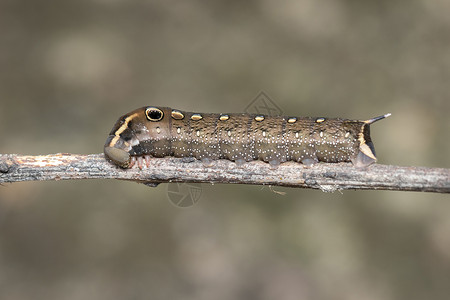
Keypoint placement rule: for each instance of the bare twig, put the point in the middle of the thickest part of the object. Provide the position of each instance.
(326, 177)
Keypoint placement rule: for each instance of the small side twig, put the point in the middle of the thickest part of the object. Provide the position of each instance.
(323, 176)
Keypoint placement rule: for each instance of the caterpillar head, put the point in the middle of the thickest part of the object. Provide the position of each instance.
(142, 131)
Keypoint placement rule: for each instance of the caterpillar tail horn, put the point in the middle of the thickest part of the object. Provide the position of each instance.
(366, 154)
(373, 120)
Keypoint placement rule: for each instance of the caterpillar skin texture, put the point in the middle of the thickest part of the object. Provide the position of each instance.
(161, 131)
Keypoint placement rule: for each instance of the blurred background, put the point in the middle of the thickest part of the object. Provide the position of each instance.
(70, 68)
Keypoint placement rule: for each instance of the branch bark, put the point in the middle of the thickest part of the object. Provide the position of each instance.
(323, 176)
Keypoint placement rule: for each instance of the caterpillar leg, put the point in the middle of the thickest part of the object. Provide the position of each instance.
(132, 162)
(240, 162)
(362, 160)
(140, 162)
(207, 162)
(366, 156)
(308, 161)
(147, 159)
(274, 163)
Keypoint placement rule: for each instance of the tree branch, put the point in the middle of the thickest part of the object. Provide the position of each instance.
(323, 176)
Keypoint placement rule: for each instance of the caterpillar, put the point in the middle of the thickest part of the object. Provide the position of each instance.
(161, 131)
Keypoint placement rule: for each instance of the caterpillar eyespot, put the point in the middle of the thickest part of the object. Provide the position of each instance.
(147, 132)
(154, 114)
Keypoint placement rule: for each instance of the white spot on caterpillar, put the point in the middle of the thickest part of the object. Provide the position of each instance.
(347, 134)
(264, 134)
(320, 120)
(321, 134)
(178, 130)
(198, 132)
(296, 134)
(229, 133)
(158, 130)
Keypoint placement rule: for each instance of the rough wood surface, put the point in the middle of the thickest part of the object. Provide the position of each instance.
(326, 177)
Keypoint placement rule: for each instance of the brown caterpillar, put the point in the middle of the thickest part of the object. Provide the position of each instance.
(161, 131)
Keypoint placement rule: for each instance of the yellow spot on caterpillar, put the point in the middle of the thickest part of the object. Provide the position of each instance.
(196, 117)
(177, 115)
(320, 120)
(224, 117)
(158, 130)
(259, 118)
(292, 120)
(347, 134)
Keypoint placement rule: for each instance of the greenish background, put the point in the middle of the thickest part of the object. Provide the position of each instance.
(69, 69)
